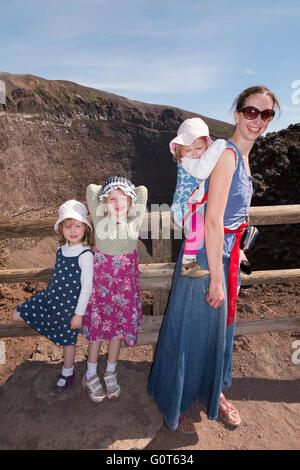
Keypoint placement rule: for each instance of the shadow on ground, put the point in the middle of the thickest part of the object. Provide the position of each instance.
(32, 419)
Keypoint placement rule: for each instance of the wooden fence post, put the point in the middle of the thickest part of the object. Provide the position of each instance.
(162, 253)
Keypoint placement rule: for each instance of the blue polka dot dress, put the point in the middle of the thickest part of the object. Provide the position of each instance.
(50, 311)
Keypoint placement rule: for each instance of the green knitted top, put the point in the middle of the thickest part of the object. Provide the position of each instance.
(111, 237)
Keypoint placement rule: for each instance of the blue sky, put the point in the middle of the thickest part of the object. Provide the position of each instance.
(193, 54)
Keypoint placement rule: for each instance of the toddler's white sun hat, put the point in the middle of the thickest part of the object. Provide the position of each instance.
(189, 130)
(72, 210)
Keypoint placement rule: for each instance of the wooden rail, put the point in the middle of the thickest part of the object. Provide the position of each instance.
(154, 276)
(264, 215)
(157, 276)
(151, 326)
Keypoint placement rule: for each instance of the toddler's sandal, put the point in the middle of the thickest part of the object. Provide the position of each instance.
(193, 269)
(188, 268)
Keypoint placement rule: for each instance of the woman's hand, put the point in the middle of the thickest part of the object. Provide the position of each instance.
(215, 296)
(76, 322)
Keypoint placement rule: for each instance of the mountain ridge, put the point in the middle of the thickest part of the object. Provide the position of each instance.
(69, 98)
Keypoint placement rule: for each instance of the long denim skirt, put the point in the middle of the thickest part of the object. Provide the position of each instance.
(193, 360)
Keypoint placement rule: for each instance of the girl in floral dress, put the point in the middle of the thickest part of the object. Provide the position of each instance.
(114, 311)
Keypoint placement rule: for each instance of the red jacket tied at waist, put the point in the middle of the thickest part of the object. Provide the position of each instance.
(233, 272)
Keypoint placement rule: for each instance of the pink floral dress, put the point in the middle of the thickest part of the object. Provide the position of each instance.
(115, 307)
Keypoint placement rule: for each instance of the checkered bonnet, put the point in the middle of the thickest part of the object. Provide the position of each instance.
(118, 182)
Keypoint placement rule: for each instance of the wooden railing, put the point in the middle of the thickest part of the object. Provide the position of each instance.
(157, 276)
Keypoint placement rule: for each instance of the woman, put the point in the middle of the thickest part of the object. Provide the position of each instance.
(193, 360)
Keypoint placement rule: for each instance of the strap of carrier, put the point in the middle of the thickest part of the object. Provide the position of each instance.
(194, 208)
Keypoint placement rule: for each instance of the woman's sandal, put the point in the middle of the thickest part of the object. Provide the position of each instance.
(228, 413)
(185, 424)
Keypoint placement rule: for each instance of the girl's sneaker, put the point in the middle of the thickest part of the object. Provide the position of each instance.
(94, 388)
(113, 389)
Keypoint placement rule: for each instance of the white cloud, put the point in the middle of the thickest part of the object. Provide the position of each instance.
(159, 78)
(291, 109)
(249, 72)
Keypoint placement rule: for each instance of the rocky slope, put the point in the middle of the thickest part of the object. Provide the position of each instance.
(275, 168)
(56, 137)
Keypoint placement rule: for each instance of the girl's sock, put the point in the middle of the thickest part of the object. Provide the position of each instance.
(111, 367)
(66, 373)
(91, 369)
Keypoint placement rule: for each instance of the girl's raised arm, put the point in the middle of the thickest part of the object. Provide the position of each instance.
(137, 213)
(92, 192)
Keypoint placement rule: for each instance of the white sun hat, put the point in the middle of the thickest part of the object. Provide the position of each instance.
(189, 131)
(72, 210)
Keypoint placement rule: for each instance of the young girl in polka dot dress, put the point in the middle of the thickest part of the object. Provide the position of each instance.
(57, 311)
(114, 312)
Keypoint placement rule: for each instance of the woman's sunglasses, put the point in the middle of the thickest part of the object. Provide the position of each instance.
(250, 112)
